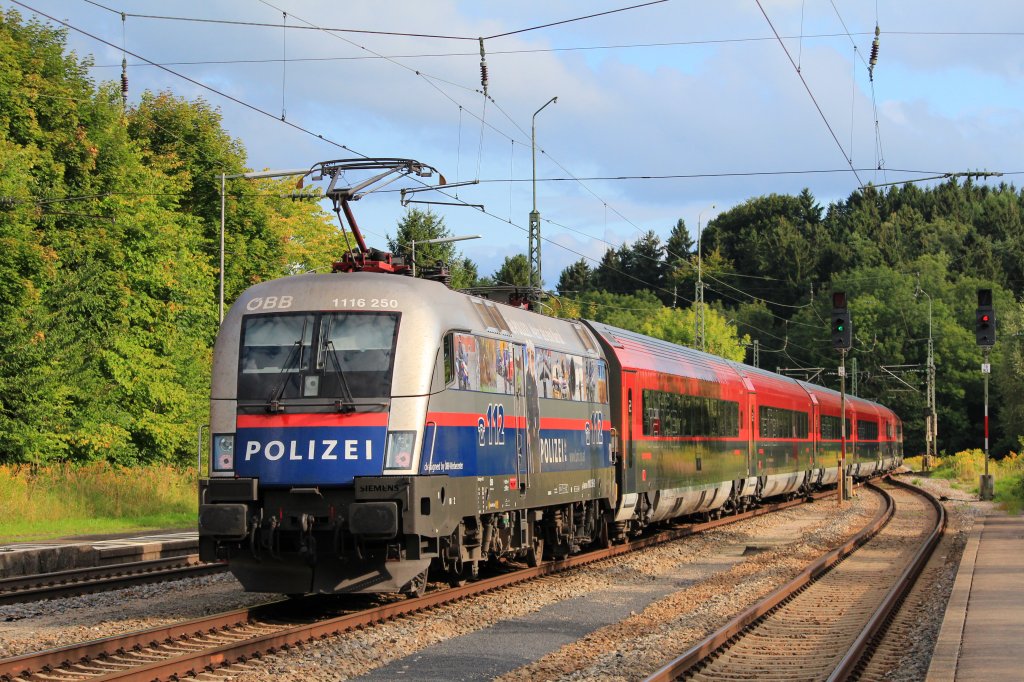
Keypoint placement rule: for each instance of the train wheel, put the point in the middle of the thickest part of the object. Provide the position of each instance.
(469, 572)
(603, 540)
(417, 586)
(535, 555)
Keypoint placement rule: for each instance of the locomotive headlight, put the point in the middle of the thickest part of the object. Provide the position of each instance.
(223, 451)
(398, 452)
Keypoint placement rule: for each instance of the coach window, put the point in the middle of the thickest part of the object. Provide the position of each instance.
(777, 422)
(867, 430)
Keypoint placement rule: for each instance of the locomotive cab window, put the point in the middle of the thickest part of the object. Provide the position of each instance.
(332, 356)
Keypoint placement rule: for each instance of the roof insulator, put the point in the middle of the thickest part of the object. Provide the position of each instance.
(874, 55)
(483, 67)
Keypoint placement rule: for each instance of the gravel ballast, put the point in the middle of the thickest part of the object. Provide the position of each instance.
(620, 619)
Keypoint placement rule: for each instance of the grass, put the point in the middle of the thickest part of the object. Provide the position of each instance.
(61, 500)
(964, 470)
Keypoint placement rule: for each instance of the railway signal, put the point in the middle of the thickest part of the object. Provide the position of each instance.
(985, 335)
(842, 326)
(985, 319)
(842, 340)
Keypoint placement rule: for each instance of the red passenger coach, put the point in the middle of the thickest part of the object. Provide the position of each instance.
(683, 418)
(702, 434)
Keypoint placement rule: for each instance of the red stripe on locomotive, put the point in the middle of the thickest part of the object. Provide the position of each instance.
(257, 421)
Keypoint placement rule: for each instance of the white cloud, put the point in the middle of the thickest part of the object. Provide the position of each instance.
(945, 103)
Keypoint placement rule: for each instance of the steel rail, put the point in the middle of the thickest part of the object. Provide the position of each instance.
(102, 578)
(851, 660)
(51, 659)
(193, 663)
(863, 646)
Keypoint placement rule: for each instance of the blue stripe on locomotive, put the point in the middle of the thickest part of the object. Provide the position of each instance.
(310, 455)
(457, 452)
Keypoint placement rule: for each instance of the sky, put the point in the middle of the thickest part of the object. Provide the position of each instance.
(666, 110)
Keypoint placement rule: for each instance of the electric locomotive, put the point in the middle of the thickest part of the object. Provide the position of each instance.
(366, 426)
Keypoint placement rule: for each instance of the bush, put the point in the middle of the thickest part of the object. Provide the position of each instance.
(968, 466)
(98, 497)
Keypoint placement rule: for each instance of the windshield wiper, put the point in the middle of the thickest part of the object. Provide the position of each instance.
(273, 403)
(347, 403)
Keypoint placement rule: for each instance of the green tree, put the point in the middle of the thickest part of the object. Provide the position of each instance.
(644, 313)
(186, 140)
(514, 271)
(30, 387)
(309, 237)
(1008, 377)
(576, 278)
(609, 274)
(418, 226)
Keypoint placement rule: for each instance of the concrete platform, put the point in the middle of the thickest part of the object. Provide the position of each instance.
(983, 629)
(32, 558)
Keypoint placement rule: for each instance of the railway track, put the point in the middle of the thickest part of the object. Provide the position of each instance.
(213, 642)
(102, 578)
(825, 623)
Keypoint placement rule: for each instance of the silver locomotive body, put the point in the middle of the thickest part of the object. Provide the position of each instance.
(368, 427)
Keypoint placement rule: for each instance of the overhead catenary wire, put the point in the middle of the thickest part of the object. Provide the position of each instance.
(467, 38)
(870, 66)
(198, 83)
(482, 118)
(400, 34)
(572, 178)
(248, 105)
(537, 50)
(807, 87)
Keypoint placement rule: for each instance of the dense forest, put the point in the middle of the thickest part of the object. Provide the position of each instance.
(910, 261)
(110, 223)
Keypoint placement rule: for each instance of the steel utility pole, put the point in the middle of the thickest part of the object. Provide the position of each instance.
(534, 247)
(699, 294)
(841, 490)
(853, 376)
(931, 426)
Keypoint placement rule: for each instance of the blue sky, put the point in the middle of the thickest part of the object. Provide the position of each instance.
(674, 88)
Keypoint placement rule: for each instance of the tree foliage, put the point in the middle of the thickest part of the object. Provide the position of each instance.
(769, 264)
(417, 226)
(109, 223)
